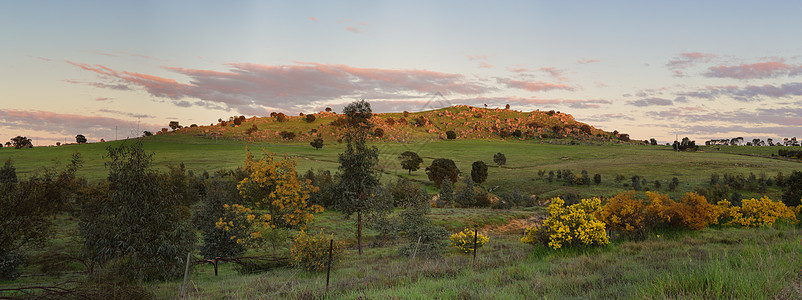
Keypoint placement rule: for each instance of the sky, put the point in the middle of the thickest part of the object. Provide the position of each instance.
(112, 69)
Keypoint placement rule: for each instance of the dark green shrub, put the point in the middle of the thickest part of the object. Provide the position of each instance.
(500, 159)
(466, 197)
(478, 172)
(410, 161)
(597, 179)
(287, 135)
(793, 191)
(451, 135)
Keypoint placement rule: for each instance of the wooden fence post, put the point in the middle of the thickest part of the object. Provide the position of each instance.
(186, 272)
(328, 268)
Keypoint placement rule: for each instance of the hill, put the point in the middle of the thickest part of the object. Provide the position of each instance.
(467, 123)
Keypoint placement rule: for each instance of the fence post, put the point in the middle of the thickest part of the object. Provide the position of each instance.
(328, 268)
(186, 272)
(475, 234)
(416, 248)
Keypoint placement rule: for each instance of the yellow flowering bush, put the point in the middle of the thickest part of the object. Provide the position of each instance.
(311, 251)
(273, 187)
(574, 225)
(758, 213)
(464, 240)
(623, 213)
(239, 222)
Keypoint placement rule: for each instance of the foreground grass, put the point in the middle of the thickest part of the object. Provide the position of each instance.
(713, 263)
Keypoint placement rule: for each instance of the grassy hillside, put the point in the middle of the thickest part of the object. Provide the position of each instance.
(524, 160)
(466, 121)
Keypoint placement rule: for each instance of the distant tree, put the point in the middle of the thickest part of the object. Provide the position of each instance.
(251, 130)
(378, 132)
(310, 118)
(193, 126)
(674, 184)
(174, 125)
(653, 142)
(57, 144)
(147, 133)
(507, 107)
(479, 172)
(317, 143)
(442, 168)
(686, 145)
(287, 135)
(80, 139)
(500, 159)
(20, 142)
(636, 183)
(597, 179)
(466, 197)
(410, 161)
(406, 114)
(793, 189)
(446, 198)
(8, 144)
(328, 109)
(451, 135)
(389, 121)
(281, 117)
(237, 121)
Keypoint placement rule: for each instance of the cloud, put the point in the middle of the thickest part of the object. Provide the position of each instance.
(585, 61)
(485, 65)
(748, 93)
(651, 102)
(103, 99)
(554, 72)
(126, 114)
(518, 69)
(352, 29)
(40, 58)
(609, 117)
(477, 57)
(590, 103)
(771, 69)
(295, 86)
(685, 60)
(60, 125)
(538, 86)
(313, 19)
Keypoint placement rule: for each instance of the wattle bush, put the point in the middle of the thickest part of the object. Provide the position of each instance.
(464, 240)
(623, 213)
(573, 225)
(311, 251)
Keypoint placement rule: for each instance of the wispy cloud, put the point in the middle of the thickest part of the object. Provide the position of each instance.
(485, 65)
(770, 69)
(94, 127)
(477, 57)
(585, 61)
(313, 19)
(689, 59)
(747, 93)
(651, 102)
(537, 86)
(125, 114)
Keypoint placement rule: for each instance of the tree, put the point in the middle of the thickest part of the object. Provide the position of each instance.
(217, 241)
(80, 139)
(358, 179)
(500, 159)
(378, 132)
(793, 191)
(310, 118)
(410, 161)
(20, 142)
(479, 172)
(466, 197)
(27, 210)
(147, 133)
(174, 125)
(317, 143)
(446, 198)
(136, 226)
(442, 168)
(653, 142)
(273, 189)
(281, 117)
(451, 135)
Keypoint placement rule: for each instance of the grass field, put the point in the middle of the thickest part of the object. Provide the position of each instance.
(713, 263)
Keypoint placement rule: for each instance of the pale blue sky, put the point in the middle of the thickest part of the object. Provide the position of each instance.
(703, 69)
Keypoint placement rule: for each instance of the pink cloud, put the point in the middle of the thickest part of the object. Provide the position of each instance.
(103, 99)
(538, 86)
(59, 124)
(485, 65)
(518, 69)
(689, 59)
(313, 19)
(748, 93)
(352, 29)
(771, 69)
(477, 57)
(585, 61)
(248, 86)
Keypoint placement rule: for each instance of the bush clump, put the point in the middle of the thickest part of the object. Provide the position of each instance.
(623, 213)
(463, 240)
(311, 251)
(758, 213)
(573, 225)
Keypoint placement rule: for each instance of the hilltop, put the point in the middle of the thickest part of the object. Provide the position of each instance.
(467, 122)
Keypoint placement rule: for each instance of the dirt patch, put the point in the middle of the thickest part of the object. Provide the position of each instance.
(515, 225)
